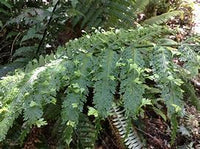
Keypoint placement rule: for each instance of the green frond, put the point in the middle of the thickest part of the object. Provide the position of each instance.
(25, 51)
(105, 85)
(16, 103)
(167, 80)
(191, 60)
(9, 68)
(140, 5)
(191, 94)
(27, 16)
(108, 13)
(95, 19)
(32, 33)
(83, 11)
(131, 86)
(117, 61)
(78, 88)
(169, 83)
(160, 19)
(88, 17)
(6, 3)
(85, 133)
(44, 92)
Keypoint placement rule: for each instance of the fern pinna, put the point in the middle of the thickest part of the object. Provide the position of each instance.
(104, 63)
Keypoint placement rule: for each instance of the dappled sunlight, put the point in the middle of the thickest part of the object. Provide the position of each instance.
(196, 12)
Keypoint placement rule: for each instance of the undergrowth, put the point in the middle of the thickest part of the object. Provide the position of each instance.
(102, 68)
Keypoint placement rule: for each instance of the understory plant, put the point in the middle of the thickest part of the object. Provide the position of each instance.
(135, 67)
(38, 27)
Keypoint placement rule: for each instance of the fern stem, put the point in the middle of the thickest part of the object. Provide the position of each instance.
(153, 138)
(12, 46)
(149, 135)
(45, 31)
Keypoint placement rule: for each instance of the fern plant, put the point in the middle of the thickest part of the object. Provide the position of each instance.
(66, 20)
(86, 133)
(26, 32)
(109, 63)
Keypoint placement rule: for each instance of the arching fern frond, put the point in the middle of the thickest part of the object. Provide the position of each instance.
(104, 13)
(17, 102)
(160, 19)
(77, 90)
(167, 80)
(191, 60)
(104, 62)
(140, 5)
(85, 133)
(169, 83)
(105, 86)
(131, 84)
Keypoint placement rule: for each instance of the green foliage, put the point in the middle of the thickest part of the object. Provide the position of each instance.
(111, 13)
(105, 85)
(160, 19)
(25, 33)
(166, 79)
(132, 88)
(38, 28)
(85, 133)
(190, 94)
(4, 9)
(100, 65)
